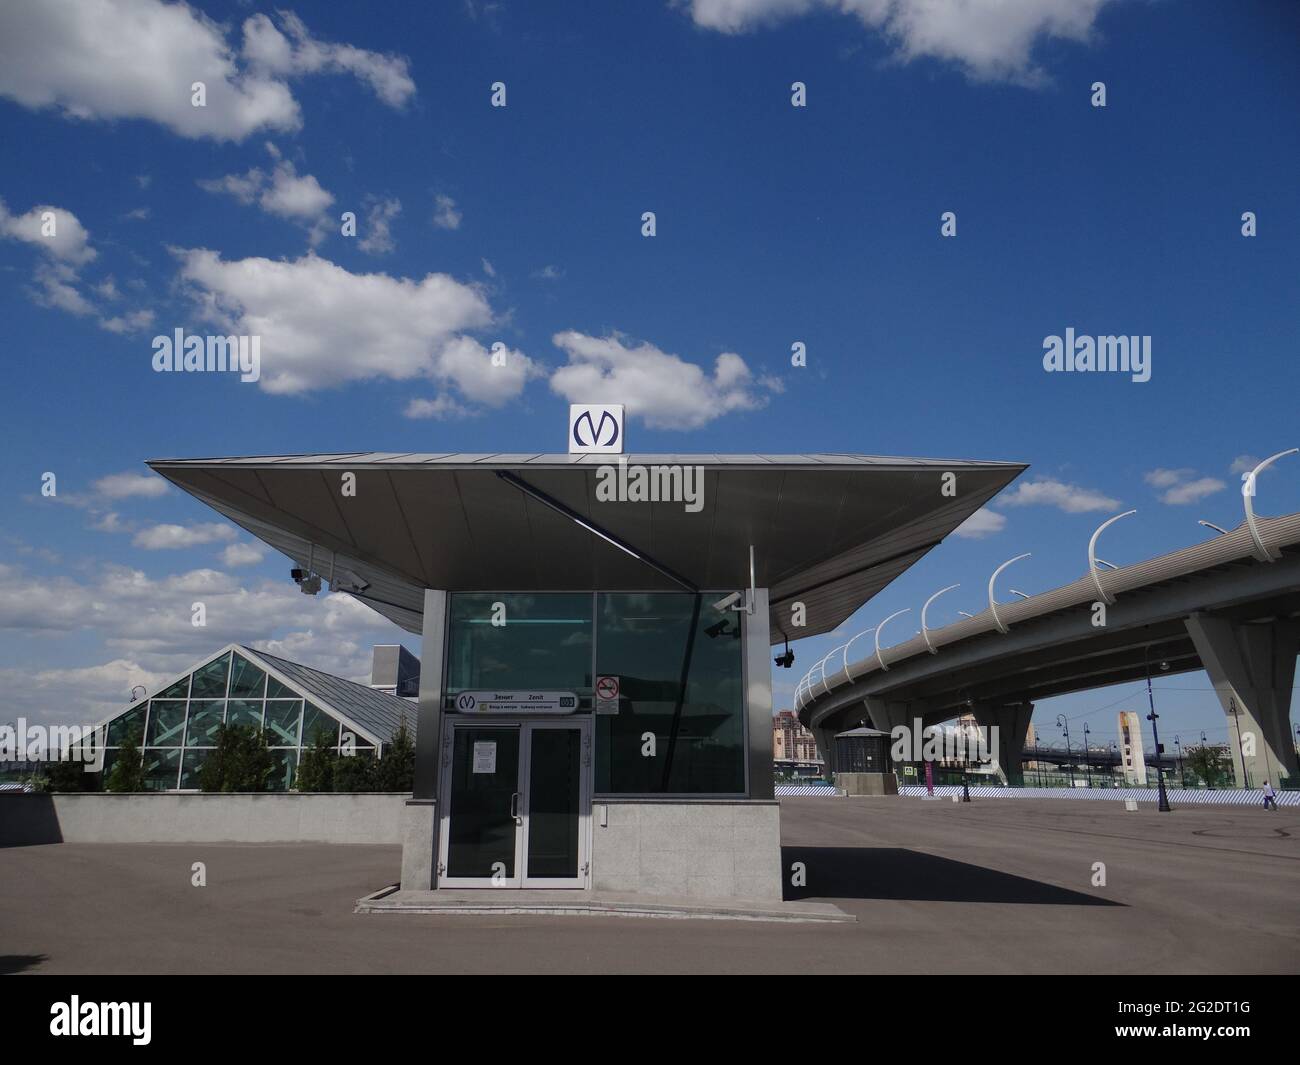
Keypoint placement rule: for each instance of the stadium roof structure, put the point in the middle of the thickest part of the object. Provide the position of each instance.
(829, 531)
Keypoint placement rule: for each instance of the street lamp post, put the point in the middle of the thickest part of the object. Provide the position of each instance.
(1087, 762)
(1182, 777)
(1209, 775)
(1064, 725)
(1163, 804)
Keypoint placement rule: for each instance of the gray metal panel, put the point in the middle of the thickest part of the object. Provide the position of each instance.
(833, 529)
(376, 711)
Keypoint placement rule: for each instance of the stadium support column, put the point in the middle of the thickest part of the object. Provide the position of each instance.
(420, 818)
(1252, 668)
(757, 644)
(1012, 722)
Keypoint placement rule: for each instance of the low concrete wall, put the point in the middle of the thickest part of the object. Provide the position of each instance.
(707, 848)
(867, 783)
(276, 817)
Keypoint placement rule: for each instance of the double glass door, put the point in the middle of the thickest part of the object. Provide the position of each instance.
(516, 800)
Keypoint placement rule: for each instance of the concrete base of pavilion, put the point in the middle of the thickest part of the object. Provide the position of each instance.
(578, 903)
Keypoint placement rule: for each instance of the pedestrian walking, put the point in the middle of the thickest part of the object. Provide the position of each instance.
(1270, 799)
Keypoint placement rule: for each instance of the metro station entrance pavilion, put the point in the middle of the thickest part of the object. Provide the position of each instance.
(596, 675)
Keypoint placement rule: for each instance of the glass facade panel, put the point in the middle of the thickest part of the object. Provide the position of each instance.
(315, 720)
(210, 681)
(484, 779)
(282, 719)
(179, 690)
(166, 722)
(352, 740)
(244, 712)
(544, 643)
(246, 680)
(205, 716)
(276, 690)
(652, 641)
(129, 724)
(161, 769)
(286, 764)
(191, 765)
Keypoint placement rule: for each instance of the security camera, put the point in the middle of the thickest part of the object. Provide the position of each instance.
(309, 585)
(786, 660)
(297, 575)
(727, 602)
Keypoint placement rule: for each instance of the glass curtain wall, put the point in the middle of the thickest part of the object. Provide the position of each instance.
(680, 725)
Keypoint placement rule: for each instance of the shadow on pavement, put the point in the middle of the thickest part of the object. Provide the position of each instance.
(904, 875)
(16, 963)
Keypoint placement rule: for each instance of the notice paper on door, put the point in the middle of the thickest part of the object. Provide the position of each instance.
(485, 756)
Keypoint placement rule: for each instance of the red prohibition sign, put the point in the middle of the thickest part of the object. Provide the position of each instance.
(606, 687)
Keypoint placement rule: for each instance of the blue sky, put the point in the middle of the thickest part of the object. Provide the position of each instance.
(775, 224)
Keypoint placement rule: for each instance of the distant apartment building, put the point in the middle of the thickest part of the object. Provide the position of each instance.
(790, 740)
(1130, 746)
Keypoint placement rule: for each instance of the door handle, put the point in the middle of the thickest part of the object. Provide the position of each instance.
(514, 808)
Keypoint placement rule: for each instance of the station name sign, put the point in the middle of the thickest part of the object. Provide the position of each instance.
(516, 702)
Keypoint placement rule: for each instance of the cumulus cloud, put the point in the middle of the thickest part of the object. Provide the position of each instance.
(53, 229)
(242, 555)
(131, 322)
(663, 389)
(991, 40)
(171, 537)
(1179, 487)
(376, 234)
(1067, 497)
(445, 214)
(441, 408)
(283, 192)
(982, 523)
(137, 59)
(147, 636)
(296, 52)
(322, 326)
(129, 485)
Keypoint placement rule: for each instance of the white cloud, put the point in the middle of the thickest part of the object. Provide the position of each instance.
(322, 326)
(982, 523)
(1182, 486)
(1067, 497)
(442, 408)
(267, 49)
(145, 625)
(1244, 464)
(991, 40)
(131, 322)
(489, 269)
(549, 273)
(58, 289)
(661, 388)
(137, 59)
(283, 192)
(445, 215)
(61, 235)
(170, 537)
(242, 555)
(127, 485)
(376, 234)
(82, 695)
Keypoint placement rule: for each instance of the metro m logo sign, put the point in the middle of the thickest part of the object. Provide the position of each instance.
(595, 429)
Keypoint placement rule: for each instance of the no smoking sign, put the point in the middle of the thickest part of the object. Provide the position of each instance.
(607, 695)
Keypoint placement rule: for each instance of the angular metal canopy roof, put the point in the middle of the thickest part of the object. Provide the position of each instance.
(829, 531)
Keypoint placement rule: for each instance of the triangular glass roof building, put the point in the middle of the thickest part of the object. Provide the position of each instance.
(176, 725)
